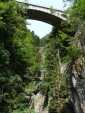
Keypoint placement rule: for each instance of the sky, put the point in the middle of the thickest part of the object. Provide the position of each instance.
(40, 28)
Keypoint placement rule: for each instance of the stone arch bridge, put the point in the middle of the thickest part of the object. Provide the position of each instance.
(44, 14)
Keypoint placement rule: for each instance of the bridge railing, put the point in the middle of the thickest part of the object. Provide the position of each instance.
(52, 11)
(49, 8)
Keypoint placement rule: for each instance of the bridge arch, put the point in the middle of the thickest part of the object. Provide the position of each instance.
(44, 14)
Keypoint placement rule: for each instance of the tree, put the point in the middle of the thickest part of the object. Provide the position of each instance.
(17, 56)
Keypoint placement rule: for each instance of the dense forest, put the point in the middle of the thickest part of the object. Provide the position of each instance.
(42, 75)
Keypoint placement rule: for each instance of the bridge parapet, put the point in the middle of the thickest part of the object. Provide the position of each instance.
(58, 13)
(44, 14)
(54, 12)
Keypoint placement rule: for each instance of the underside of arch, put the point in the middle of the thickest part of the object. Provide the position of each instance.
(44, 17)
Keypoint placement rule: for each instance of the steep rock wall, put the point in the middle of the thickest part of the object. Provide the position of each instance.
(77, 73)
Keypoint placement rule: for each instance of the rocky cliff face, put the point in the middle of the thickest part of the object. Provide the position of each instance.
(39, 100)
(77, 73)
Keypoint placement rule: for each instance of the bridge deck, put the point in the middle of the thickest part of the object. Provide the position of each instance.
(45, 14)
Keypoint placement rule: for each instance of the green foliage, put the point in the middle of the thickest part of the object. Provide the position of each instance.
(55, 83)
(17, 56)
(20, 59)
(60, 49)
(52, 10)
(74, 52)
(24, 110)
(76, 13)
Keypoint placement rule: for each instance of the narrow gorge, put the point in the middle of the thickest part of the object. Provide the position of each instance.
(44, 75)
